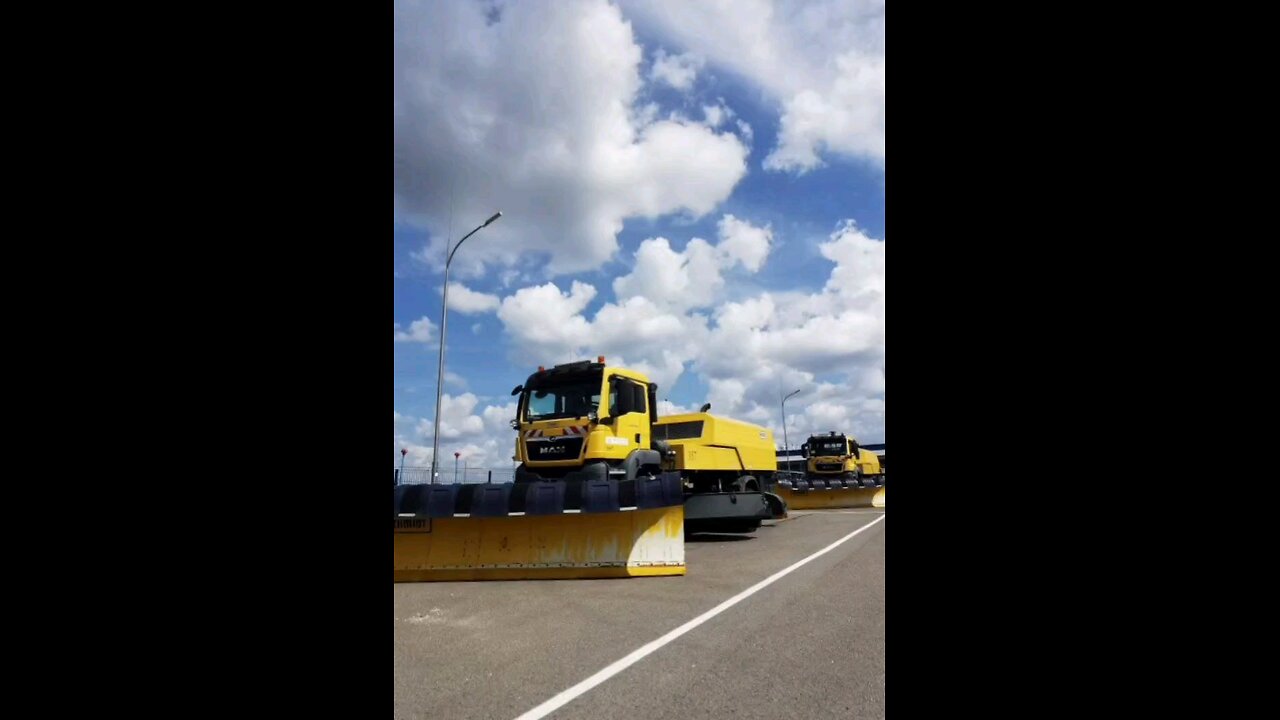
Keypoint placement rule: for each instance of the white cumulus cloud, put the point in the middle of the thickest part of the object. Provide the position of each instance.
(468, 301)
(744, 242)
(823, 62)
(533, 110)
(670, 316)
(482, 436)
(421, 330)
(693, 277)
(828, 344)
(678, 71)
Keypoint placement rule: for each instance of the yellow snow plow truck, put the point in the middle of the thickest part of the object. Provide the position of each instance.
(586, 423)
(838, 474)
(604, 488)
(839, 457)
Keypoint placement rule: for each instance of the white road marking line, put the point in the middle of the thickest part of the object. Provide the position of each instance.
(567, 696)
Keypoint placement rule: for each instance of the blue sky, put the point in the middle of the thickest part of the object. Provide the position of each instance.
(599, 128)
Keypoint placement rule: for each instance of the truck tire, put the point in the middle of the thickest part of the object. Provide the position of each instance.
(523, 475)
(641, 462)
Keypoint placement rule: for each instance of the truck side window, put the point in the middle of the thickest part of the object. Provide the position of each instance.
(627, 397)
(619, 398)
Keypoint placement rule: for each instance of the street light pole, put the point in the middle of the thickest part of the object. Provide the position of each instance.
(444, 318)
(786, 446)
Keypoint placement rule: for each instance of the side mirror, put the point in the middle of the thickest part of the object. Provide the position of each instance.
(515, 424)
(804, 450)
(517, 390)
(593, 417)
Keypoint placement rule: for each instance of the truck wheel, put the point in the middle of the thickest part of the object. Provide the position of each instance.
(747, 483)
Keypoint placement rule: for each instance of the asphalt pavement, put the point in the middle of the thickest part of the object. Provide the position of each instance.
(811, 644)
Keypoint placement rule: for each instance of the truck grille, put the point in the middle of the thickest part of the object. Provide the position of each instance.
(548, 449)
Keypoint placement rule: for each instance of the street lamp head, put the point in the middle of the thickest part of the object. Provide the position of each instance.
(495, 217)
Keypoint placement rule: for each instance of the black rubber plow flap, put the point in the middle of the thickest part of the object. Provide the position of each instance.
(811, 494)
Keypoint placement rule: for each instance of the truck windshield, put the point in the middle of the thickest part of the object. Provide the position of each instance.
(829, 446)
(568, 397)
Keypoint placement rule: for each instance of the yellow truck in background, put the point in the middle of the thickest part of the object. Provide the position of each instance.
(586, 422)
(836, 456)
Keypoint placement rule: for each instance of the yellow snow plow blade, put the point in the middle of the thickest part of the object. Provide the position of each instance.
(541, 540)
(831, 497)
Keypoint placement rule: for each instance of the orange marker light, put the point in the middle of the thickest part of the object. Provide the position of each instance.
(600, 359)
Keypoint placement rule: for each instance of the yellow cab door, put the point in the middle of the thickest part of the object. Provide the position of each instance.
(629, 410)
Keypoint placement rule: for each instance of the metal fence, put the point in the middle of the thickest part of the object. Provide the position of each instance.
(422, 475)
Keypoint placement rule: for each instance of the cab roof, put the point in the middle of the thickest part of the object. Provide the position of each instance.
(581, 367)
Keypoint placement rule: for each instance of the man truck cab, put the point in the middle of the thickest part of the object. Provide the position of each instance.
(836, 456)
